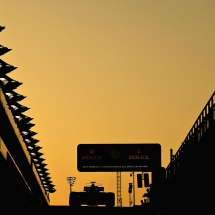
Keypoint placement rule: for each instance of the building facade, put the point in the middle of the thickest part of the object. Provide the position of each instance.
(24, 178)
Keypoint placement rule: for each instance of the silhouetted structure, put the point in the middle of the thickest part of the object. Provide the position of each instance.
(187, 180)
(118, 189)
(24, 179)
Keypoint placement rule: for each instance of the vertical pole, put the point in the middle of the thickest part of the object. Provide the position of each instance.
(71, 181)
(119, 195)
(171, 154)
(171, 162)
(133, 190)
(129, 193)
(130, 201)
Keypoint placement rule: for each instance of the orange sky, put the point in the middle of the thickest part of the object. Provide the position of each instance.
(116, 71)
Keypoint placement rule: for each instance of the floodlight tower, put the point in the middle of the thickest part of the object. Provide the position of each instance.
(71, 181)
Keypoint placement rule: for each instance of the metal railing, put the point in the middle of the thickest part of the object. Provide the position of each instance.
(195, 135)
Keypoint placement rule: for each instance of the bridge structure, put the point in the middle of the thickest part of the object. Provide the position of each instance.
(188, 179)
(24, 178)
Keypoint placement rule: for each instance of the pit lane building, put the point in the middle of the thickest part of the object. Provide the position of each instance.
(24, 178)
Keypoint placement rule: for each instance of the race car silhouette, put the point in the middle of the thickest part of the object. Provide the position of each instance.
(93, 195)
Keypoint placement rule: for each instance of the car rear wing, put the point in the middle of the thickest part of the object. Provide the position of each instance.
(100, 189)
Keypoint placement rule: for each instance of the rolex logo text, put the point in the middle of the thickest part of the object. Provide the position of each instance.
(91, 157)
(138, 157)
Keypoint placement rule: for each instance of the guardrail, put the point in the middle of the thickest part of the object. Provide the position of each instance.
(196, 133)
(188, 163)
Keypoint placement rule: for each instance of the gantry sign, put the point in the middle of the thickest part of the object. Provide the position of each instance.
(118, 157)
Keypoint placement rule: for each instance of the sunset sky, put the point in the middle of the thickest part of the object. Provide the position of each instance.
(109, 71)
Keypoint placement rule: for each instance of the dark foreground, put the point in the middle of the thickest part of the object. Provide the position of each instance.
(146, 209)
(61, 210)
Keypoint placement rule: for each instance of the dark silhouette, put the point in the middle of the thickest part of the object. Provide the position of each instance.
(24, 180)
(93, 195)
(181, 186)
(184, 187)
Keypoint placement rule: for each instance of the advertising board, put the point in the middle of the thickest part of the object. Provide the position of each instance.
(118, 157)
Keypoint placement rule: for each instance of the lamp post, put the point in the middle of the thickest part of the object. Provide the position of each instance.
(71, 181)
(129, 193)
(132, 174)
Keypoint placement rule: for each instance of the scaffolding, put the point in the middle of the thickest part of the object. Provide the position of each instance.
(118, 188)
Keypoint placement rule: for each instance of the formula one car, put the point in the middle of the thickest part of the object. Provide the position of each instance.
(93, 195)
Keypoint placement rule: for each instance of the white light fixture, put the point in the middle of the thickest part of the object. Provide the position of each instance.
(27, 140)
(14, 107)
(18, 117)
(10, 95)
(25, 132)
(4, 80)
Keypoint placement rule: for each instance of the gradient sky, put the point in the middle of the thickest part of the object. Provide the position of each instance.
(109, 71)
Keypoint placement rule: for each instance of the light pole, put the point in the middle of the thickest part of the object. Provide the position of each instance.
(71, 181)
(132, 174)
(129, 193)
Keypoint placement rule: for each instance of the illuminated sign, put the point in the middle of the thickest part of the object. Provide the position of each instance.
(118, 157)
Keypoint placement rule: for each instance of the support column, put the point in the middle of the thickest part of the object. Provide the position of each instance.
(119, 195)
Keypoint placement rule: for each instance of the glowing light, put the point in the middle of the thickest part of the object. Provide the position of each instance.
(4, 81)
(10, 95)
(14, 107)
(18, 117)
